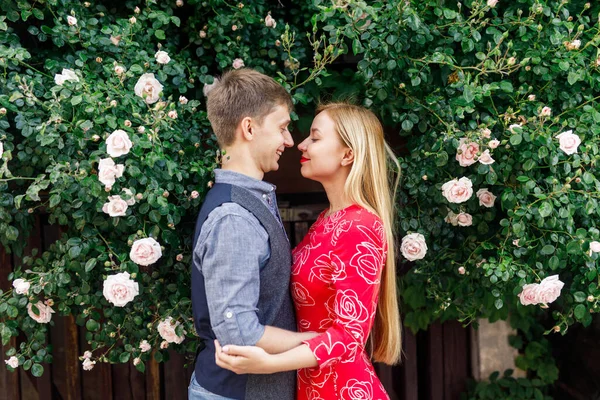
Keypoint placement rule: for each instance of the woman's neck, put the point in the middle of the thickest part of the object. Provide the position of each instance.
(337, 197)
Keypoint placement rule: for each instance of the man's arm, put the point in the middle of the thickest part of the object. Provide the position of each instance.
(276, 340)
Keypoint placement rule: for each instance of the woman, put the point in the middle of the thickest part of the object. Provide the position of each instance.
(343, 275)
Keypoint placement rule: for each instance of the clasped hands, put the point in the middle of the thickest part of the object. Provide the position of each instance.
(244, 359)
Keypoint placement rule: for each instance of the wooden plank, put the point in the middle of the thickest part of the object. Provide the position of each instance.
(66, 364)
(121, 384)
(386, 376)
(434, 359)
(152, 380)
(456, 359)
(97, 383)
(408, 372)
(175, 377)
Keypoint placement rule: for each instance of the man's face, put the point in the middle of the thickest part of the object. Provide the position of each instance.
(271, 138)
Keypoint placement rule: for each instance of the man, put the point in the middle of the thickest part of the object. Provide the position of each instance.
(241, 261)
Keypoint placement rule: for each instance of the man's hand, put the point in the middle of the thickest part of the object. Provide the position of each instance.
(244, 359)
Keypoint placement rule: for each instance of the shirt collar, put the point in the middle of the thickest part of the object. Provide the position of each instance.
(255, 186)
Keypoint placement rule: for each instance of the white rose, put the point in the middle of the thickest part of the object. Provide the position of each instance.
(108, 171)
(209, 87)
(132, 20)
(162, 57)
(569, 142)
(119, 70)
(183, 100)
(237, 63)
(485, 158)
(594, 247)
(486, 198)
(528, 294)
(145, 346)
(119, 289)
(464, 219)
(462, 270)
(494, 143)
(270, 22)
(145, 251)
(118, 143)
(21, 286)
(87, 354)
(549, 289)
(166, 330)
(71, 20)
(164, 344)
(413, 246)
(148, 88)
(136, 10)
(458, 190)
(531, 97)
(115, 39)
(486, 133)
(65, 75)
(492, 3)
(202, 34)
(116, 206)
(45, 314)
(88, 364)
(12, 362)
(172, 114)
(546, 112)
(575, 44)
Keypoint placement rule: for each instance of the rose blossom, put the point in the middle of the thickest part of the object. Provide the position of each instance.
(486, 133)
(179, 3)
(486, 198)
(88, 364)
(528, 294)
(45, 314)
(108, 171)
(2, 111)
(492, 3)
(141, 129)
(451, 218)
(119, 70)
(132, 20)
(136, 10)
(87, 354)
(183, 100)
(195, 194)
(458, 190)
(115, 39)
(172, 114)
(164, 344)
(162, 57)
(208, 87)
(594, 247)
(568, 142)
(546, 112)
(118, 143)
(464, 219)
(12, 362)
(494, 143)
(202, 34)
(21, 286)
(413, 246)
(145, 346)
(575, 44)
(462, 270)
(485, 158)
(116, 206)
(65, 75)
(270, 21)
(166, 330)
(549, 289)
(71, 20)
(237, 63)
(179, 257)
(531, 97)
(466, 154)
(136, 361)
(145, 251)
(148, 88)
(119, 289)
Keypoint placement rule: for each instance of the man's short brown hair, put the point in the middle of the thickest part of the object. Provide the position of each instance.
(239, 94)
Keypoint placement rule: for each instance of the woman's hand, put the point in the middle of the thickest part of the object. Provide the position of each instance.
(244, 359)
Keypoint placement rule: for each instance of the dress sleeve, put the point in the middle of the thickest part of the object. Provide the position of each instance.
(357, 261)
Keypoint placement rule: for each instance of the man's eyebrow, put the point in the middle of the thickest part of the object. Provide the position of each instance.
(286, 122)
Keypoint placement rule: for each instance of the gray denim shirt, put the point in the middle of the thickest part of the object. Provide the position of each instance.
(233, 247)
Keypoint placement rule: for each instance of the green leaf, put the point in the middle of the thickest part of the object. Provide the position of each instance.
(468, 94)
(92, 325)
(124, 357)
(37, 370)
(160, 34)
(580, 297)
(580, 311)
(76, 100)
(449, 14)
(547, 250)
(90, 264)
(546, 209)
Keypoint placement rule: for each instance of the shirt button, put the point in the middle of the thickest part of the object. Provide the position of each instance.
(229, 314)
(264, 196)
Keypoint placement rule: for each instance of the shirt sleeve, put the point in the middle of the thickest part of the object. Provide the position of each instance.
(361, 254)
(235, 247)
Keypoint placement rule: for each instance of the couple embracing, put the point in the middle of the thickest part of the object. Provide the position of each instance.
(302, 324)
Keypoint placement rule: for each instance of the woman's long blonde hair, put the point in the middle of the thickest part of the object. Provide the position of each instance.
(371, 184)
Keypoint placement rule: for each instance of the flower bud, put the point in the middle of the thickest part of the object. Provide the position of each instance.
(133, 275)
(107, 188)
(195, 194)
(196, 145)
(179, 257)
(130, 242)
(136, 10)
(424, 177)
(556, 328)
(210, 184)
(86, 4)
(278, 43)
(139, 232)
(141, 129)
(113, 103)
(139, 196)
(107, 263)
(112, 334)
(132, 20)
(234, 28)
(179, 3)
(127, 123)
(402, 86)
(2, 111)
(528, 68)
(590, 298)
(202, 34)
(165, 194)
(95, 138)
(98, 59)
(181, 152)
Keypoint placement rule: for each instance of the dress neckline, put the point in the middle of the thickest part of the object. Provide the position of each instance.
(324, 217)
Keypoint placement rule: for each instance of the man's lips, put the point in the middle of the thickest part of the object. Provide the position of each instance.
(304, 159)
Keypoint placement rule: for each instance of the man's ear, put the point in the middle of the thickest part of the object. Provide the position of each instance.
(348, 158)
(246, 127)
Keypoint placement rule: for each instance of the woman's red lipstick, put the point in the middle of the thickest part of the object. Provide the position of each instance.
(304, 159)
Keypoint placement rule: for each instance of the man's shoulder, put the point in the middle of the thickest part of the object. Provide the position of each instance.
(232, 214)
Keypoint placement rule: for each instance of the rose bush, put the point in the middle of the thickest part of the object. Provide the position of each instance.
(496, 101)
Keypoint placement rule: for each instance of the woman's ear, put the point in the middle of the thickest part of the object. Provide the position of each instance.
(348, 157)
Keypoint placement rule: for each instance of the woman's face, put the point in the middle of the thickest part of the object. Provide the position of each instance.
(323, 152)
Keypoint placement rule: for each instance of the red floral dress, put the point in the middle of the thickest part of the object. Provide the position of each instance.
(335, 285)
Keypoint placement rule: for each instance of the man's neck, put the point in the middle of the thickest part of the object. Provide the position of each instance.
(237, 161)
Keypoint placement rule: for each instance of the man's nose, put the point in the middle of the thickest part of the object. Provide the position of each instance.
(287, 139)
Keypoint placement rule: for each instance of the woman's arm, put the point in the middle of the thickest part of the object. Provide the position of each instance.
(254, 360)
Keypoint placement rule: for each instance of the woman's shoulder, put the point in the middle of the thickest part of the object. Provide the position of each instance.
(362, 215)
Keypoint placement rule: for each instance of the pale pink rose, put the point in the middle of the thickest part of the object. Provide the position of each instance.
(45, 314)
(528, 294)
(71, 20)
(87, 354)
(145, 251)
(569, 142)
(575, 44)
(119, 70)
(458, 190)
(131, 199)
(141, 129)
(166, 330)
(145, 346)
(466, 154)
(549, 289)
(172, 114)
(164, 344)
(119, 289)
(113, 103)
(234, 28)
(65, 75)
(115, 39)
(486, 133)
(136, 10)
(202, 34)
(2, 111)
(492, 3)
(451, 218)
(179, 257)
(148, 88)
(237, 63)
(594, 247)
(413, 246)
(209, 87)
(12, 362)
(118, 143)
(512, 127)
(531, 97)
(485, 158)
(136, 361)
(546, 112)
(132, 20)
(116, 206)
(486, 198)
(270, 21)
(494, 143)
(108, 171)
(179, 3)
(21, 286)
(462, 270)
(162, 57)
(464, 219)
(88, 364)
(183, 100)
(195, 194)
